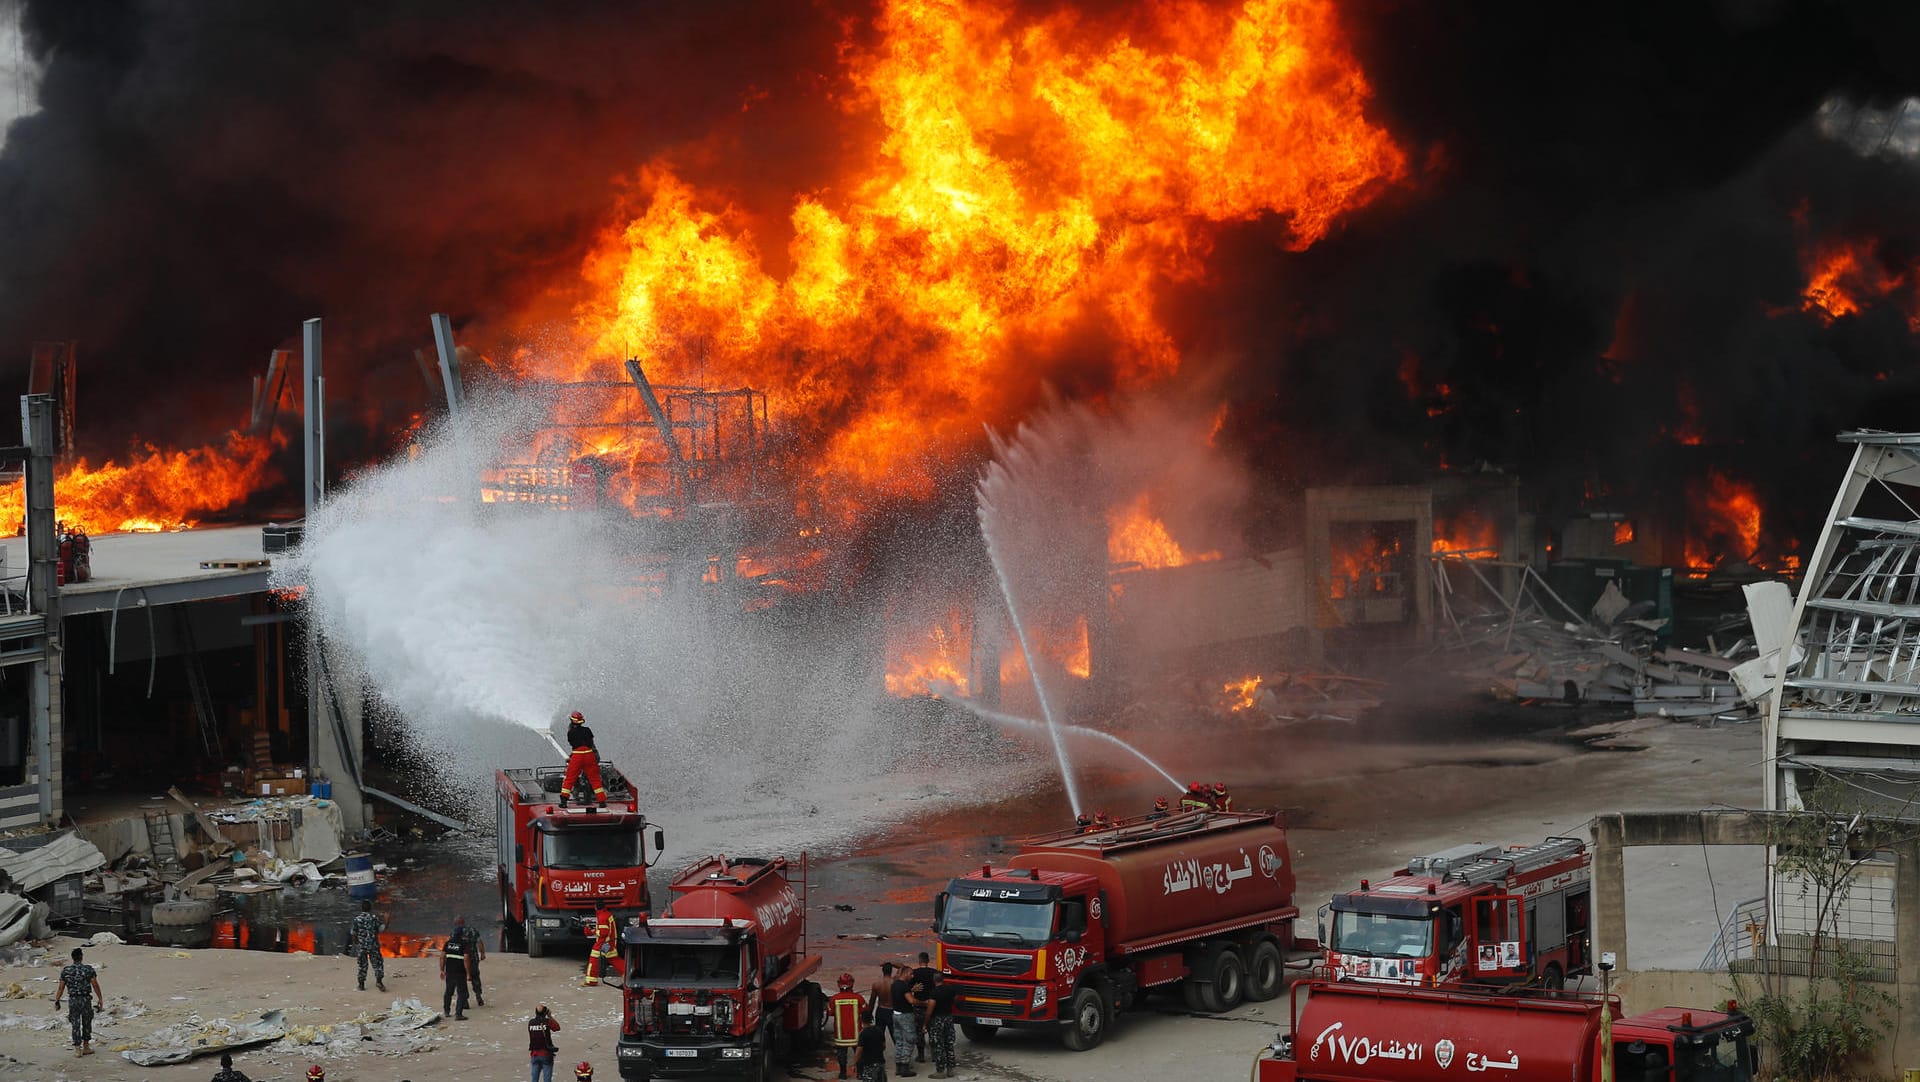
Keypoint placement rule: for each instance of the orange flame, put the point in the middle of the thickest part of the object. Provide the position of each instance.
(1136, 537)
(1623, 532)
(152, 489)
(1467, 534)
(1726, 525)
(918, 660)
(1033, 177)
(1363, 568)
(1241, 692)
(1847, 276)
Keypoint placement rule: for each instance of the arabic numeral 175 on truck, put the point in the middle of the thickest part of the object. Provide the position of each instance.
(1078, 927)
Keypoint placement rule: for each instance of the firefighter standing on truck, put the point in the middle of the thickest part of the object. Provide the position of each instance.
(1197, 798)
(845, 1007)
(605, 952)
(583, 758)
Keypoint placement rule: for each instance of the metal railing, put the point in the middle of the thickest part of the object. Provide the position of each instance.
(1741, 936)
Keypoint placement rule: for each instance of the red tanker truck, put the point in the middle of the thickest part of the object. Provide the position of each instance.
(1349, 1031)
(560, 861)
(1079, 926)
(718, 984)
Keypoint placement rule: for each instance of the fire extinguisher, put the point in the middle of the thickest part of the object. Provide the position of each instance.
(82, 556)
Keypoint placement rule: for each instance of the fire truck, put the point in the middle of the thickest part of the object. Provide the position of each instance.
(559, 860)
(1079, 927)
(1473, 914)
(1351, 1032)
(718, 985)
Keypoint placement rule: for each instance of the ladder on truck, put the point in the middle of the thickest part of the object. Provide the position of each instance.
(1516, 862)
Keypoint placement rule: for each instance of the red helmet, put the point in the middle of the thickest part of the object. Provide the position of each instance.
(1197, 787)
(1159, 803)
(577, 718)
(1219, 788)
(846, 982)
(316, 1073)
(584, 1072)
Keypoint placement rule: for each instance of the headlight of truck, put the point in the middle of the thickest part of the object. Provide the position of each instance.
(1039, 996)
(549, 922)
(735, 1053)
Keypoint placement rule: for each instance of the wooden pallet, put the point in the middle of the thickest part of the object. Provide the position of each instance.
(233, 565)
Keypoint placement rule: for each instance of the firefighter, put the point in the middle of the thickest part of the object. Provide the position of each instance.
(1100, 821)
(1221, 801)
(845, 1007)
(453, 972)
(584, 758)
(1160, 809)
(583, 1072)
(476, 953)
(316, 1073)
(1196, 798)
(1082, 824)
(606, 946)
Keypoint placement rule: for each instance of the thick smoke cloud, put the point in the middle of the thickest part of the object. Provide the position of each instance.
(1603, 235)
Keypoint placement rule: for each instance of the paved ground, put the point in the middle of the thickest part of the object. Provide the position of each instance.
(1364, 808)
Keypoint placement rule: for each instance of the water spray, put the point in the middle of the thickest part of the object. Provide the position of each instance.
(1016, 721)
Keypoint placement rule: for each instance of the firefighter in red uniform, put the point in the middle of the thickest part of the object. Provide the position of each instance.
(584, 758)
(606, 945)
(1221, 801)
(583, 1072)
(846, 1007)
(1197, 798)
(1160, 809)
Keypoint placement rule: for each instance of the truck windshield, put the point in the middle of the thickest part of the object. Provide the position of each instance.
(1713, 1059)
(1381, 935)
(688, 965)
(590, 848)
(1026, 923)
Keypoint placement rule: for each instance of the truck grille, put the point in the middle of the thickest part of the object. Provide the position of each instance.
(980, 962)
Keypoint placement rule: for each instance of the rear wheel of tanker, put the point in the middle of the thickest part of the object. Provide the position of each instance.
(1266, 971)
(1229, 980)
(535, 948)
(183, 913)
(978, 1033)
(513, 936)
(1194, 993)
(1086, 1020)
(1552, 979)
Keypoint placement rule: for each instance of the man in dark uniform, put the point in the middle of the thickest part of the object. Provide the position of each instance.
(453, 971)
(81, 985)
(870, 1059)
(365, 931)
(582, 758)
(906, 1023)
(476, 952)
(227, 1072)
(924, 977)
(938, 1005)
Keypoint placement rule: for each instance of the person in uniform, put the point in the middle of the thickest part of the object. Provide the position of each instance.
(906, 1024)
(583, 1072)
(365, 931)
(1100, 821)
(870, 1058)
(1082, 823)
(226, 1073)
(937, 1003)
(846, 1007)
(924, 975)
(453, 972)
(1221, 801)
(540, 1030)
(1160, 809)
(1197, 798)
(316, 1073)
(80, 983)
(583, 758)
(605, 952)
(476, 953)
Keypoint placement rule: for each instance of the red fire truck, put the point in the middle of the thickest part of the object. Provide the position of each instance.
(561, 860)
(718, 985)
(1473, 914)
(1350, 1032)
(1080, 926)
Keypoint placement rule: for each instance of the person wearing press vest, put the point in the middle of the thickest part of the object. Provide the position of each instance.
(540, 1030)
(81, 985)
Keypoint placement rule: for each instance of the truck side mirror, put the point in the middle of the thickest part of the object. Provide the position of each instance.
(939, 910)
(659, 840)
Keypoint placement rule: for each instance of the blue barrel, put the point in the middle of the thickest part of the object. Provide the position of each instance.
(326, 790)
(360, 876)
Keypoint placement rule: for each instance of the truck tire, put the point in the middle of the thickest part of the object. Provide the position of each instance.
(1194, 993)
(1087, 1015)
(978, 1033)
(1266, 971)
(1228, 984)
(182, 914)
(1552, 979)
(513, 936)
(535, 948)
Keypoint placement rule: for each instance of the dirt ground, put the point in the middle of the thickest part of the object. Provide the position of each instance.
(1362, 809)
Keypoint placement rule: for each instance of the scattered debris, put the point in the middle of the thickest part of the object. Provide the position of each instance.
(183, 1041)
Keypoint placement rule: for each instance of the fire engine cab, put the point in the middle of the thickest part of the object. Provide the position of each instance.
(1473, 914)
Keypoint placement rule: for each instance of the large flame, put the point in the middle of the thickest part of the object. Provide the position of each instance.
(151, 489)
(1846, 276)
(1135, 537)
(1726, 523)
(1467, 533)
(1033, 179)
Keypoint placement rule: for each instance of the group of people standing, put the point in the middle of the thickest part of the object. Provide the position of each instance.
(914, 1005)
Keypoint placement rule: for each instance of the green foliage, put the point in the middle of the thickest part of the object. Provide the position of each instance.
(1819, 1034)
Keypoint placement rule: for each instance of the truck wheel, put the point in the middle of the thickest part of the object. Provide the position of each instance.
(1229, 980)
(184, 913)
(1266, 971)
(978, 1033)
(1087, 1020)
(535, 948)
(1552, 979)
(1194, 993)
(514, 936)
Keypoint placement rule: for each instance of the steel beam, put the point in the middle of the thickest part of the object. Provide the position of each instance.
(43, 592)
(449, 364)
